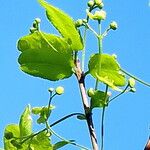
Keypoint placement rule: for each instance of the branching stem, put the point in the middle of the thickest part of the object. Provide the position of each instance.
(66, 117)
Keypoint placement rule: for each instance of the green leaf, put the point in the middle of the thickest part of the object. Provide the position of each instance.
(25, 124)
(106, 69)
(12, 129)
(61, 144)
(41, 142)
(49, 57)
(64, 24)
(99, 99)
(44, 114)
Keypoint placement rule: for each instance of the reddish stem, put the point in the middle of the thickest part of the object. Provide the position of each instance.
(81, 81)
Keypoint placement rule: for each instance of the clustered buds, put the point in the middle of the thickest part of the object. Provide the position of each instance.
(90, 3)
(98, 15)
(35, 26)
(59, 90)
(95, 3)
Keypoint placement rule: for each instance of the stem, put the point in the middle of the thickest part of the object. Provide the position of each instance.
(64, 118)
(90, 28)
(100, 48)
(83, 51)
(102, 121)
(119, 94)
(137, 79)
(32, 135)
(81, 81)
(69, 142)
(102, 128)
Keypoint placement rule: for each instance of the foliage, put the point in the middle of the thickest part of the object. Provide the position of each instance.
(55, 57)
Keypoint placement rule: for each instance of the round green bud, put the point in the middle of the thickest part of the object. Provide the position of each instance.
(131, 82)
(37, 20)
(97, 2)
(59, 90)
(90, 3)
(101, 5)
(35, 25)
(113, 25)
(90, 92)
(32, 30)
(79, 23)
(51, 90)
(99, 15)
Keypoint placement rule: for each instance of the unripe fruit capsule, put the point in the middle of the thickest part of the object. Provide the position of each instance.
(59, 90)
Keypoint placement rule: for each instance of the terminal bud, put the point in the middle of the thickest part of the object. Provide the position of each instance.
(90, 3)
(113, 25)
(59, 90)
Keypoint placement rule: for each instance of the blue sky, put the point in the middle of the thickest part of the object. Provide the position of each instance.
(127, 119)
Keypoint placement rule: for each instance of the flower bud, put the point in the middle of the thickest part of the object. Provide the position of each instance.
(98, 15)
(79, 23)
(51, 90)
(97, 2)
(90, 3)
(101, 5)
(32, 30)
(59, 90)
(35, 25)
(90, 92)
(131, 82)
(37, 20)
(113, 25)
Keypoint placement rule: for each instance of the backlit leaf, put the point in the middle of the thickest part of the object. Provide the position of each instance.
(106, 69)
(46, 56)
(41, 142)
(99, 99)
(25, 124)
(14, 130)
(64, 24)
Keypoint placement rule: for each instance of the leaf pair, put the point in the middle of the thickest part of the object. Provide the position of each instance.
(14, 135)
(49, 56)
